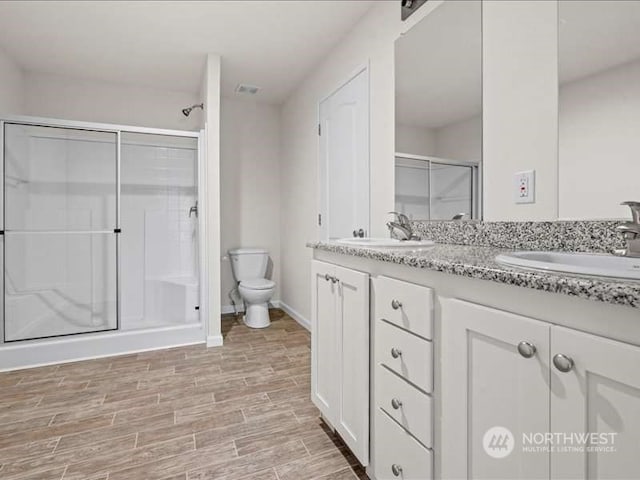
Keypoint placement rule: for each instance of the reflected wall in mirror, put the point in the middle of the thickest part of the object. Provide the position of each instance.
(438, 69)
(599, 108)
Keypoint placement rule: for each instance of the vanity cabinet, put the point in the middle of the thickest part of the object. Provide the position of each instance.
(504, 370)
(340, 352)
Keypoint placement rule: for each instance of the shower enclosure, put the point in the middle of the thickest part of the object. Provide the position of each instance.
(100, 236)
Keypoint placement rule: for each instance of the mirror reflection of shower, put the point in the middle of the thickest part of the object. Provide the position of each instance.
(187, 111)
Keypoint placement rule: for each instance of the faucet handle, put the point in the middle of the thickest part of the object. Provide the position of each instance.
(635, 210)
(629, 230)
(402, 218)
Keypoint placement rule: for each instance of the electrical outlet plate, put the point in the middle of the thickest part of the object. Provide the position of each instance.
(525, 186)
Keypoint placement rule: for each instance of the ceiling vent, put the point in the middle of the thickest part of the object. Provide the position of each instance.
(247, 89)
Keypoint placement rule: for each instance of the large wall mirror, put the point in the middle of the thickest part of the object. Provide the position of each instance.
(599, 107)
(438, 74)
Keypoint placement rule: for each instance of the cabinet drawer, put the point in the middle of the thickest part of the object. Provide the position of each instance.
(414, 305)
(413, 357)
(395, 447)
(406, 404)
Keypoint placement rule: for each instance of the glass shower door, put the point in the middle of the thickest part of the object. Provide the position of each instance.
(60, 224)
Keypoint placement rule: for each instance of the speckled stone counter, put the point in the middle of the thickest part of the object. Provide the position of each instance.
(479, 262)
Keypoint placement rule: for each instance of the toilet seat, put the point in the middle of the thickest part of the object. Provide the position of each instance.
(258, 284)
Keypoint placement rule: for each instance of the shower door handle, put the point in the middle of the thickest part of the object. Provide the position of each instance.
(194, 209)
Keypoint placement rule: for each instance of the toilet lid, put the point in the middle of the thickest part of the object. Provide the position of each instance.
(258, 284)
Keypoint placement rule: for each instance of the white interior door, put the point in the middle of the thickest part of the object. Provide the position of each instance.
(344, 159)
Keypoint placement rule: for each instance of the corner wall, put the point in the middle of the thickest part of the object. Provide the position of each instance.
(211, 98)
(370, 42)
(250, 184)
(11, 86)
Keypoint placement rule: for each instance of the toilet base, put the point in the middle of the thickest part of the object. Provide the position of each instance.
(257, 316)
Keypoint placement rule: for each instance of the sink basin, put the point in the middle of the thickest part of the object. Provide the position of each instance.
(600, 265)
(385, 242)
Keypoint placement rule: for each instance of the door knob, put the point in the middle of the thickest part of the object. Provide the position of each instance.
(563, 363)
(526, 349)
(396, 352)
(395, 304)
(396, 469)
(395, 403)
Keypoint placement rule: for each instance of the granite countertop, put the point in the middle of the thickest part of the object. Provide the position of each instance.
(479, 262)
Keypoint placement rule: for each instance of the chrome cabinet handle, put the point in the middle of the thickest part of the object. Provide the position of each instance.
(395, 403)
(396, 304)
(527, 349)
(563, 363)
(396, 352)
(396, 469)
(328, 277)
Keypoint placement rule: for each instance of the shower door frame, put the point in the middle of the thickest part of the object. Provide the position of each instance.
(117, 130)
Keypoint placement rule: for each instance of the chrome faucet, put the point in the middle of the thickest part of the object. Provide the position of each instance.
(400, 227)
(630, 231)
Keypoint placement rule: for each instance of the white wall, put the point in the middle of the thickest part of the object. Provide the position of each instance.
(250, 183)
(57, 96)
(11, 86)
(599, 144)
(415, 140)
(520, 105)
(460, 141)
(370, 41)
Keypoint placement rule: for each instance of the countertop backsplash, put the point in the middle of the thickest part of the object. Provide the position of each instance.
(569, 236)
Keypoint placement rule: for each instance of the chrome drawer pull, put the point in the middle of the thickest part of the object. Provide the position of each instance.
(396, 469)
(396, 352)
(395, 403)
(563, 363)
(526, 349)
(395, 304)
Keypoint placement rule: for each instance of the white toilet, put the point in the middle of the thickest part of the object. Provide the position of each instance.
(249, 267)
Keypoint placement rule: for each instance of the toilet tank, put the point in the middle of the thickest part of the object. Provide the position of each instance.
(248, 263)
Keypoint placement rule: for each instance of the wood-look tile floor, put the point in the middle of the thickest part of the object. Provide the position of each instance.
(241, 411)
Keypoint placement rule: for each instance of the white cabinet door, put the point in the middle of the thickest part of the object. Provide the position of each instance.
(324, 388)
(353, 360)
(487, 383)
(599, 395)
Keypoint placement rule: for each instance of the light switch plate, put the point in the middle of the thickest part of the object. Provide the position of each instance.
(525, 186)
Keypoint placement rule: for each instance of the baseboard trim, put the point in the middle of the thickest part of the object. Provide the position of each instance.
(295, 315)
(227, 309)
(214, 341)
